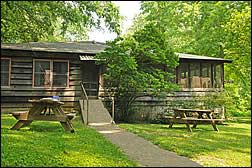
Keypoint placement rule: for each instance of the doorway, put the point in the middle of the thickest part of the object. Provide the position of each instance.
(90, 78)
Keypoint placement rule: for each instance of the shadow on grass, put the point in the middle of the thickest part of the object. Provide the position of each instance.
(43, 128)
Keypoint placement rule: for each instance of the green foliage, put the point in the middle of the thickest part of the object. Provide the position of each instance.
(188, 25)
(210, 28)
(142, 62)
(23, 21)
(42, 144)
(231, 147)
(160, 119)
(239, 49)
(212, 100)
(186, 103)
(218, 99)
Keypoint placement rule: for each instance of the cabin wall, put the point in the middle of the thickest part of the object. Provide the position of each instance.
(147, 108)
(15, 98)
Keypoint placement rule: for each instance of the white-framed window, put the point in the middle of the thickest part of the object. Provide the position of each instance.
(5, 71)
(50, 73)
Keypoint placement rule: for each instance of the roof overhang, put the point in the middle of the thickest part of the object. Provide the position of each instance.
(201, 58)
(89, 58)
(90, 47)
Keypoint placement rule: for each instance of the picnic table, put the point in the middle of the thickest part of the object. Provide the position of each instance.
(46, 109)
(198, 117)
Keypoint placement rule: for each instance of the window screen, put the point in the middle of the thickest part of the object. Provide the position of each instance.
(42, 73)
(202, 75)
(5, 72)
(217, 73)
(195, 75)
(183, 75)
(206, 75)
(60, 74)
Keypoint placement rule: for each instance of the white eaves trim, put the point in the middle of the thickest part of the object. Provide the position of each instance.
(90, 58)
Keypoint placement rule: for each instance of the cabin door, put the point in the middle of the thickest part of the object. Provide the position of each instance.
(90, 78)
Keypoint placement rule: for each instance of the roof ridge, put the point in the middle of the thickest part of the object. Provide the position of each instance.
(94, 42)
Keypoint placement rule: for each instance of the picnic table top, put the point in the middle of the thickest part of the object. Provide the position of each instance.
(46, 100)
(194, 110)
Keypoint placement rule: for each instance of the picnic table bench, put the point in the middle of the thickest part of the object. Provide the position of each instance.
(46, 109)
(181, 116)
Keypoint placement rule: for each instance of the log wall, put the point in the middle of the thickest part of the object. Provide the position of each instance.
(15, 98)
(147, 108)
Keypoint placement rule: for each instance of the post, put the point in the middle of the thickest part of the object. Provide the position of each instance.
(87, 111)
(83, 109)
(113, 108)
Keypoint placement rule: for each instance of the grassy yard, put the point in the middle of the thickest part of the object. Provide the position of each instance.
(42, 144)
(229, 147)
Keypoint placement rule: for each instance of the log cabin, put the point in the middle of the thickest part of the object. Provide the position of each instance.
(37, 70)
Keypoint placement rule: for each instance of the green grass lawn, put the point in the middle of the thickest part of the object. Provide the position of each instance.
(229, 147)
(42, 144)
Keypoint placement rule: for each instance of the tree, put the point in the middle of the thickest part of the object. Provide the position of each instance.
(238, 48)
(189, 24)
(23, 21)
(141, 63)
(210, 28)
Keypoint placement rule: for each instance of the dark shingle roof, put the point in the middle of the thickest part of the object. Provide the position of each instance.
(88, 47)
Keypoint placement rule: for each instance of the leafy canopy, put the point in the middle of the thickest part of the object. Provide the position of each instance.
(238, 48)
(23, 21)
(210, 28)
(141, 61)
(139, 64)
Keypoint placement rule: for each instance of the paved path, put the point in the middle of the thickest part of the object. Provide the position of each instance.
(140, 150)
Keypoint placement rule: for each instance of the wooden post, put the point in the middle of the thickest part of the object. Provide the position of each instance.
(113, 108)
(87, 111)
(18, 125)
(82, 110)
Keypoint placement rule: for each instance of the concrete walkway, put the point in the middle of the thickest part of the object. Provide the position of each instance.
(140, 150)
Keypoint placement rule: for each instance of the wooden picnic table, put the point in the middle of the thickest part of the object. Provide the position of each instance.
(46, 109)
(181, 116)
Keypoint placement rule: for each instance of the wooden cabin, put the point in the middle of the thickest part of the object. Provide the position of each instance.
(44, 69)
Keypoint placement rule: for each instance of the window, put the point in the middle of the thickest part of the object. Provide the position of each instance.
(183, 72)
(5, 72)
(195, 75)
(206, 75)
(42, 73)
(217, 76)
(200, 75)
(51, 73)
(60, 74)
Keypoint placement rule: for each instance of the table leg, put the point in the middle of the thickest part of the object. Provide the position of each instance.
(27, 122)
(213, 122)
(45, 109)
(188, 126)
(35, 108)
(66, 126)
(194, 125)
(71, 125)
(214, 126)
(209, 116)
(171, 124)
(18, 125)
(200, 115)
(175, 115)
